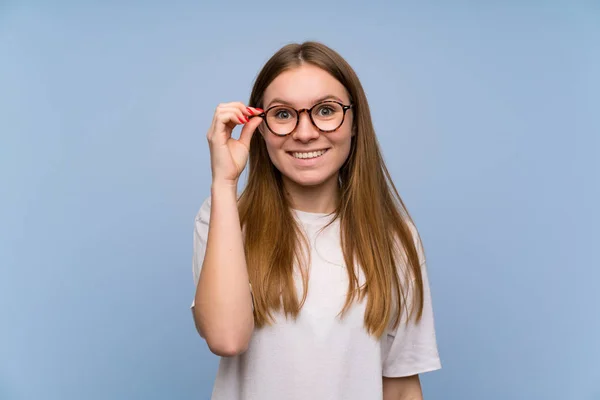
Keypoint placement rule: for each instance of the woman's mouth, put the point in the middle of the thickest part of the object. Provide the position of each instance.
(307, 155)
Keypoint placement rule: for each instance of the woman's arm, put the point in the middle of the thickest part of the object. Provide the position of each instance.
(223, 303)
(404, 388)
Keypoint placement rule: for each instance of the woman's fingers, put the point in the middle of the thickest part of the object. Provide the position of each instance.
(246, 112)
(229, 156)
(228, 115)
(253, 111)
(225, 120)
(232, 114)
(248, 131)
(242, 107)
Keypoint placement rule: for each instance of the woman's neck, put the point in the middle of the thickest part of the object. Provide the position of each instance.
(321, 199)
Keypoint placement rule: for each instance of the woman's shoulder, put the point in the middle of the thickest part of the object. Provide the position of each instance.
(414, 237)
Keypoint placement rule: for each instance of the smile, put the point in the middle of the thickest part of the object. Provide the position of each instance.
(308, 155)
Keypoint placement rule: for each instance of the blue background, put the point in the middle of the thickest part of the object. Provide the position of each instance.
(488, 119)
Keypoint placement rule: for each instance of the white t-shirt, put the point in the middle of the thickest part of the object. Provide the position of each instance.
(319, 356)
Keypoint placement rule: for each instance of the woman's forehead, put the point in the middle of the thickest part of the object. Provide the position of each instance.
(303, 86)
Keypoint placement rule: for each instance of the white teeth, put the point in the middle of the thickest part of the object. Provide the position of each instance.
(311, 154)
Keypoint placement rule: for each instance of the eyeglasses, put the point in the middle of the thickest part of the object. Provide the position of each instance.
(326, 116)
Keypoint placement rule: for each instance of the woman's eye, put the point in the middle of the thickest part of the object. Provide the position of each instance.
(282, 114)
(326, 111)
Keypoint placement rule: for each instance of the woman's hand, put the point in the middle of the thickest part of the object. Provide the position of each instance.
(229, 156)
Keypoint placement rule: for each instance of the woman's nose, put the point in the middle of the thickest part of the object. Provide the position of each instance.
(305, 130)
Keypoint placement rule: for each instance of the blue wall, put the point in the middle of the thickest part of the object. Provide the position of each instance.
(488, 118)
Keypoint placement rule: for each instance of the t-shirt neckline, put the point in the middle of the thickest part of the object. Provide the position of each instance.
(306, 216)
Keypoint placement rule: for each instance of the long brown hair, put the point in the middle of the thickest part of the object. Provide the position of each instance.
(375, 226)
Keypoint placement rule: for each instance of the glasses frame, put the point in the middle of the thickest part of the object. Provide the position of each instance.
(309, 112)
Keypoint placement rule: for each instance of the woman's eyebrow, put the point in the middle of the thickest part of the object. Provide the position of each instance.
(320, 99)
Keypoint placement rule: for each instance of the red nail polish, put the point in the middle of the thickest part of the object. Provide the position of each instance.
(260, 109)
(246, 118)
(250, 111)
(241, 120)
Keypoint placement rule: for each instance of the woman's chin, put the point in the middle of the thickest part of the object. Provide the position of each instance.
(308, 180)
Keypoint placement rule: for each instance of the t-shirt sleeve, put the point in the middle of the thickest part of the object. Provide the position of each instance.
(411, 348)
(201, 222)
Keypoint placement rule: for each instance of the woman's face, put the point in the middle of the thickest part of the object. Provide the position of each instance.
(299, 88)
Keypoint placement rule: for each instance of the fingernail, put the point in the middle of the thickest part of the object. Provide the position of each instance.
(250, 111)
(260, 109)
(241, 120)
(246, 118)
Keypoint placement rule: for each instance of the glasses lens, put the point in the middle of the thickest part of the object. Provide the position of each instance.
(328, 116)
(282, 119)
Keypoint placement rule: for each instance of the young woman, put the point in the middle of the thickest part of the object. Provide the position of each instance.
(312, 284)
